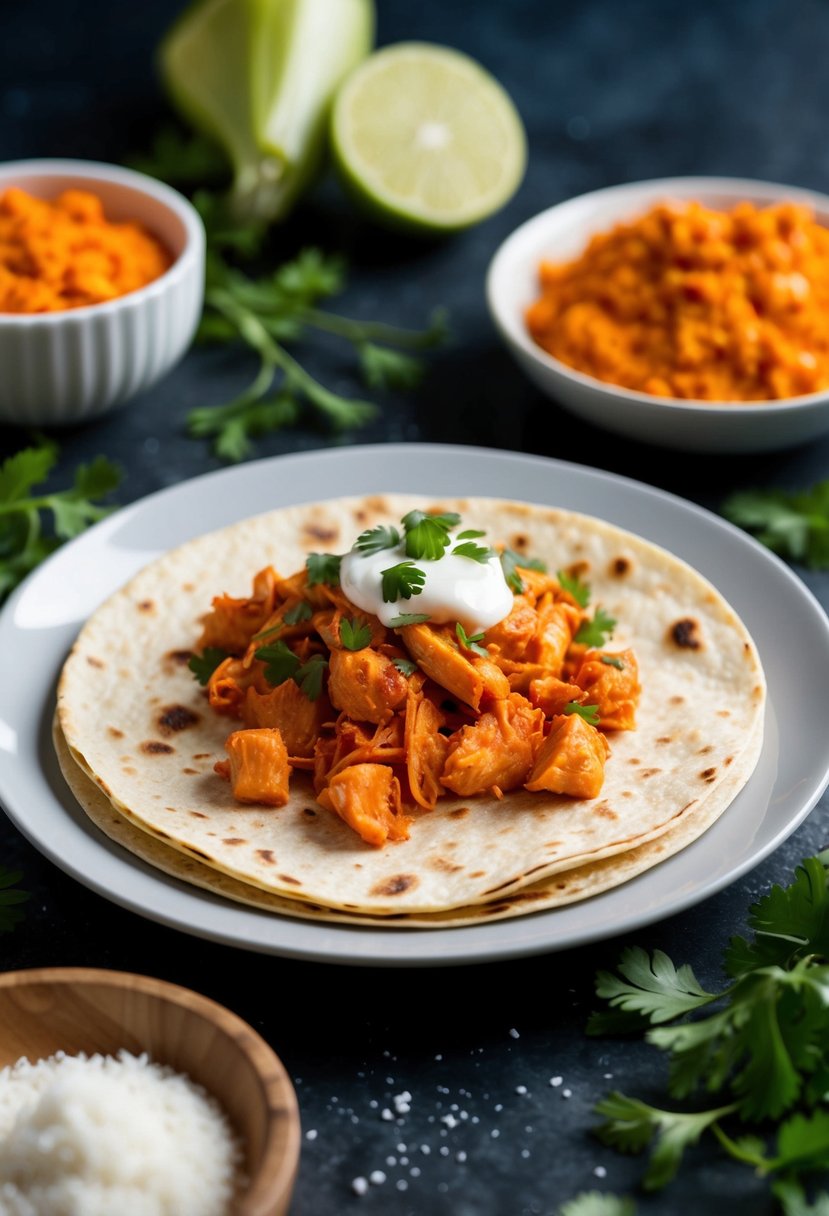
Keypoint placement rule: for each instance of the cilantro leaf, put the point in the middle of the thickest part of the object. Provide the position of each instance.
(793, 524)
(24, 470)
(281, 663)
(594, 633)
(203, 665)
(652, 988)
(572, 584)
(478, 553)
(596, 1203)
(402, 582)
(354, 634)
(631, 1125)
(788, 923)
(309, 676)
(301, 611)
(611, 660)
(510, 560)
(405, 666)
(384, 368)
(409, 618)
(793, 1201)
(10, 899)
(470, 534)
(427, 536)
(373, 540)
(323, 568)
(471, 642)
(590, 713)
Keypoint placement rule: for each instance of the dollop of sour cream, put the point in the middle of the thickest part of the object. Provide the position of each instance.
(456, 588)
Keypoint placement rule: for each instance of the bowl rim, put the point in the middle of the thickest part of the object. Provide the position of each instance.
(275, 1174)
(514, 332)
(186, 263)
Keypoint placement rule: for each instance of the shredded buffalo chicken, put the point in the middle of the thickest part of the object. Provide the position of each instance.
(390, 720)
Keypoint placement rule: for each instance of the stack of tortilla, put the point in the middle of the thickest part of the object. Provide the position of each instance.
(137, 740)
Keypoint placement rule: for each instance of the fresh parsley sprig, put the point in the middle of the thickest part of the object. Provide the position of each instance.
(354, 634)
(281, 307)
(510, 560)
(405, 666)
(471, 641)
(596, 631)
(401, 582)
(409, 618)
(427, 536)
(573, 585)
(477, 553)
(10, 899)
(793, 524)
(24, 542)
(323, 568)
(590, 713)
(612, 660)
(203, 665)
(759, 1046)
(282, 664)
(374, 540)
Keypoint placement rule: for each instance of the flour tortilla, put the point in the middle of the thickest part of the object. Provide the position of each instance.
(138, 725)
(567, 887)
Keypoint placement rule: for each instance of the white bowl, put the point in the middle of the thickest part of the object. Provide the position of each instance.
(560, 234)
(64, 367)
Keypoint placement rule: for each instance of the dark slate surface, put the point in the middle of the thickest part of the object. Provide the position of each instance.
(609, 93)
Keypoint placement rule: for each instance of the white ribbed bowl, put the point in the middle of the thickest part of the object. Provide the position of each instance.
(561, 233)
(65, 367)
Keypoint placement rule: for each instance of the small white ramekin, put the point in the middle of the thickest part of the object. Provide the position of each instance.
(65, 367)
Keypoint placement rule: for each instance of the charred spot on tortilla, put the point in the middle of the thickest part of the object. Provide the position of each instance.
(723, 713)
(665, 739)
(492, 909)
(201, 755)
(154, 747)
(128, 770)
(174, 718)
(443, 866)
(309, 812)
(234, 840)
(196, 814)
(93, 662)
(114, 732)
(459, 812)
(604, 811)
(728, 760)
(650, 772)
(377, 504)
(180, 658)
(684, 633)
(395, 885)
(190, 772)
(707, 772)
(677, 700)
(620, 566)
(287, 878)
(146, 606)
(267, 856)
(704, 751)
(634, 760)
(197, 852)
(360, 516)
(579, 569)
(320, 532)
(478, 874)
(519, 542)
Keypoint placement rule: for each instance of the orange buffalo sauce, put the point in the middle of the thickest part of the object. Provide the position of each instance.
(697, 304)
(64, 253)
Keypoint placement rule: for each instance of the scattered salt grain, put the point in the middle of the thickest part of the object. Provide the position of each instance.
(600, 1171)
(567, 1093)
(461, 1156)
(513, 1034)
(402, 1102)
(402, 1184)
(525, 1152)
(444, 1151)
(311, 1134)
(450, 1121)
(495, 1133)
(401, 1148)
(359, 1186)
(377, 1177)
(556, 1081)
(424, 1148)
(391, 1161)
(521, 1089)
(415, 1171)
(386, 1114)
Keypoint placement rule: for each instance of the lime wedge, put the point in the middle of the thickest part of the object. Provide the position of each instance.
(259, 77)
(427, 139)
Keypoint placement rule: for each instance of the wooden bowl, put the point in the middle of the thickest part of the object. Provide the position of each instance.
(79, 1009)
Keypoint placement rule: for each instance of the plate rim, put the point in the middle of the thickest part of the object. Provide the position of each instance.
(318, 941)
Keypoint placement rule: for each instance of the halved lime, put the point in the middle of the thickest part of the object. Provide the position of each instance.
(426, 138)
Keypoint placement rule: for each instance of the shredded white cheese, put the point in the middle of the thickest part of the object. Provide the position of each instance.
(93, 1136)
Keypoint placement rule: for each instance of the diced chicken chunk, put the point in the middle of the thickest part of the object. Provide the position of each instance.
(497, 751)
(257, 766)
(571, 759)
(365, 685)
(367, 798)
(611, 682)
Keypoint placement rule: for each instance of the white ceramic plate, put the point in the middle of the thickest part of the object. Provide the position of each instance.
(42, 618)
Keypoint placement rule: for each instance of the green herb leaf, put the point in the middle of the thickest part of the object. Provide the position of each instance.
(384, 368)
(793, 1200)
(354, 634)
(405, 666)
(789, 923)
(471, 642)
(572, 584)
(510, 560)
(182, 158)
(631, 1125)
(323, 568)
(373, 540)
(203, 665)
(409, 618)
(596, 1203)
(427, 536)
(10, 899)
(590, 713)
(793, 524)
(281, 663)
(596, 632)
(309, 676)
(470, 534)
(402, 582)
(611, 660)
(301, 611)
(651, 990)
(478, 553)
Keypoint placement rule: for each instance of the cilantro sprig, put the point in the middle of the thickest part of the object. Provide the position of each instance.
(401, 582)
(409, 618)
(427, 536)
(323, 568)
(590, 713)
(573, 585)
(477, 553)
(759, 1046)
(793, 524)
(354, 634)
(510, 560)
(282, 664)
(34, 524)
(471, 641)
(374, 540)
(405, 666)
(596, 631)
(203, 665)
